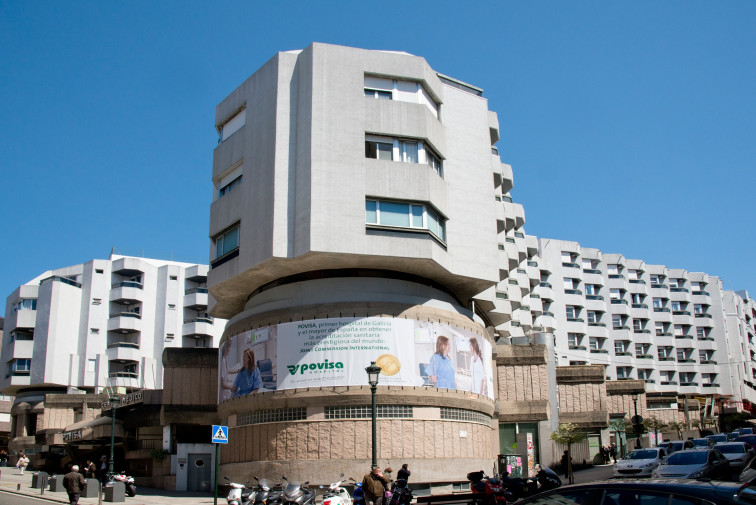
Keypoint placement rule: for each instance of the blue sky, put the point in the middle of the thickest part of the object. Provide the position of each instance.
(629, 125)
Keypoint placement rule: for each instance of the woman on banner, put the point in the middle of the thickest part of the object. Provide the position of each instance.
(477, 370)
(441, 365)
(248, 380)
(227, 386)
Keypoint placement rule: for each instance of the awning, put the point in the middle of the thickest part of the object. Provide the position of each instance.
(91, 429)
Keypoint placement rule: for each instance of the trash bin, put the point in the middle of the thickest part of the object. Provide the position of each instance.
(56, 484)
(115, 492)
(92, 490)
(39, 480)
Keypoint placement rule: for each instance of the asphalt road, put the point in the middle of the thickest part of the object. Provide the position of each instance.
(15, 499)
(592, 474)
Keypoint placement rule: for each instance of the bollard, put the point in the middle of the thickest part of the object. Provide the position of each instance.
(99, 501)
(18, 487)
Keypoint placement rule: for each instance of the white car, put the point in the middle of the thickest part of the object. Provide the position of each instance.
(639, 463)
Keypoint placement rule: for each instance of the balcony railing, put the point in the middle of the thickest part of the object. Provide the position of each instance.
(685, 360)
(623, 353)
(191, 291)
(575, 319)
(548, 313)
(639, 306)
(570, 265)
(711, 385)
(572, 292)
(669, 383)
(532, 263)
(703, 314)
(680, 313)
(707, 362)
(127, 345)
(679, 290)
(127, 284)
(594, 297)
(661, 309)
(135, 315)
(618, 302)
(641, 330)
(684, 335)
(644, 356)
(577, 347)
(603, 351)
(621, 327)
(206, 319)
(545, 284)
(701, 293)
(658, 285)
(663, 333)
(637, 281)
(126, 375)
(688, 383)
(596, 323)
(591, 271)
(666, 358)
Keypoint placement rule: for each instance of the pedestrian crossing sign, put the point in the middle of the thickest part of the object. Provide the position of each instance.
(220, 434)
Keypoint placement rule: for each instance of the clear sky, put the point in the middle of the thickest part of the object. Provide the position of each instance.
(629, 125)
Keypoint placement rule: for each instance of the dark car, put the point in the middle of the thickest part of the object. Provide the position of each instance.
(648, 492)
(719, 437)
(694, 464)
(748, 439)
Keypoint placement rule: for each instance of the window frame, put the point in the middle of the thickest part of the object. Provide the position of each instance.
(429, 216)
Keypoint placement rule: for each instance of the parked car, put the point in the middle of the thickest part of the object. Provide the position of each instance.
(748, 439)
(748, 473)
(747, 431)
(702, 443)
(738, 453)
(694, 464)
(671, 447)
(651, 492)
(639, 463)
(719, 437)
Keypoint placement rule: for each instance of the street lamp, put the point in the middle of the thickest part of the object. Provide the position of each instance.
(373, 372)
(114, 401)
(637, 424)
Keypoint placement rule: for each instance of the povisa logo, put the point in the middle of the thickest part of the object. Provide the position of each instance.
(325, 365)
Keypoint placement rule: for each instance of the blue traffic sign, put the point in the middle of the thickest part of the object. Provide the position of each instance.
(220, 434)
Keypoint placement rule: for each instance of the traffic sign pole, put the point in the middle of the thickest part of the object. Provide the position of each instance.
(217, 457)
(219, 436)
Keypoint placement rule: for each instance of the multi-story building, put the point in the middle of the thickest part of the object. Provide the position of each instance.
(361, 214)
(740, 320)
(96, 325)
(651, 323)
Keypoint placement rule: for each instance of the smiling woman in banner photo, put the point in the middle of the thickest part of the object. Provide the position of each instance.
(248, 380)
(477, 370)
(441, 366)
(227, 383)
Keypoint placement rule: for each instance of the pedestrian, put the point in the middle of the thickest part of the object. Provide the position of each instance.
(3, 457)
(23, 462)
(74, 484)
(90, 471)
(613, 452)
(103, 473)
(375, 485)
(565, 462)
(403, 473)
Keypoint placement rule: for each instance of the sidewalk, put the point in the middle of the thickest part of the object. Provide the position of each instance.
(10, 479)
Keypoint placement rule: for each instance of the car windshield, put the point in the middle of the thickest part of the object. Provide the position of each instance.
(676, 446)
(749, 439)
(731, 449)
(687, 458)
(648, 454)
(718, 438)
(702, 442)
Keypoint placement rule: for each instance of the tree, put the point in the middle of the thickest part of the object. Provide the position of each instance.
(655, 426)
(568, 434)
(674, 425)
(619, 425)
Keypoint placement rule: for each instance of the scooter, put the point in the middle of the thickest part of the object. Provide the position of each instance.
(297, 494)
(491, 489)
(337, 495)
(261, 492)
(128, 482)
(401, 494)
(239, 494)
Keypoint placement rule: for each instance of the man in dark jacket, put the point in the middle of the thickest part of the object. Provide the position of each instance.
(74, 483)
(403, 472)
(375, 485)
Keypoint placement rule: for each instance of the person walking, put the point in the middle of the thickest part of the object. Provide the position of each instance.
(375, 485)
(403, 473)
(74, 484)
(613, 452)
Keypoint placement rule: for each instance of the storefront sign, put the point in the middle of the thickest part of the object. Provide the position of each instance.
(125, 400)
(69, 436)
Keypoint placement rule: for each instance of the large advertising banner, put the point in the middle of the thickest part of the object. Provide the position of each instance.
(335, 352)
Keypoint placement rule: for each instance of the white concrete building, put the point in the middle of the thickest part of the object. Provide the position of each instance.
(103, 323)
(664, 326)
(740, 320)
(352, 188)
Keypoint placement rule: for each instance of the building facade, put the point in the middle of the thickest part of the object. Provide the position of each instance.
(361, 214)
(97, 325)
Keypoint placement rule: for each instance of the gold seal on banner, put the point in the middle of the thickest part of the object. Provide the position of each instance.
(389, 364)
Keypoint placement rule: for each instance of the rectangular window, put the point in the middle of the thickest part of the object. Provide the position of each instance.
(400, 90)
(379, 150)
(99, 270)
(94, 331)
(591, 289)
(658, 303)
(173, 277)
(408, 151)
(574, 339)
(572, 311)
(592, 316)
(19, 366)
(405, 215)
(676, 306)
(91, 363)
(596, 343)
(227, 241)
(232, 125)
(231, 185)
(617, 321)
(612, 269)
(171, 306)
(96, 301)
(615, 294)
(25, 304)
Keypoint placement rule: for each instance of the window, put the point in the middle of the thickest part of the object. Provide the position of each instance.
(596, 343)
(574, 339)
(171, 306)
(679, 330)
(173, 277)
(229, 186)
(644, 374)
(404, 150)
(569, 259)
(639, 325)
(676, 283)
(617, 321)
(700, 309)
(571, 285)
(705, 356)
(25, 304)
(636, 298)
(658, 303)
(19, 367)
(593, 316)
(169, 336)
(664, 352)
(634, 274)
(99, 270)
(96, 301)
(623, 372)
(660, 328)
(683, 354)
(94, 331)
(232, 125)
(379, 150)
(615, 294)
(702, 333)
(572, 311)
(405, 215)
(642, 349)
(401, 90)
(677, 306)
(709, 379)
(613, 269)
(227, 241)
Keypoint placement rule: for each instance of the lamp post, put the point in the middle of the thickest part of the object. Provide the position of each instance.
(373, 372)
(114, 401)
(637, 425)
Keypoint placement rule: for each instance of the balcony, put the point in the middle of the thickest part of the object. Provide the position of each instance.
(679, 290)
(126, 292)
(573, 292)
(703, 314)
(616, 276)
(695, 384)
(596, 323)
(700, 293)
(684, 335)
(591, 271)
(594, 297)
(619, 302)
(661, 309)
(685, 360)
(644, 356)
(637, 281)
(641, 330)
(198, 327)
(680, 313)
(570, 265)
(669, 383)
(639, 306)
(600, 351)
(125, 322)
(575, 319)
(663, 333)
(659, 286)
(623, 353)
(666, 358)
(195, 298)
(711, 385)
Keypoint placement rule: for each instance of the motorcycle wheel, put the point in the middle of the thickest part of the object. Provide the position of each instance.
(131, 490)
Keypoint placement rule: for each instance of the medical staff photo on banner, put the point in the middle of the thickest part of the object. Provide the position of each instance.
(335, 352)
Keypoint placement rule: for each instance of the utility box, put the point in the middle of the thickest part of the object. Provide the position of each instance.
(92, 490)
(39, 480)
(511, 463)
(115, 492)
(56, 484)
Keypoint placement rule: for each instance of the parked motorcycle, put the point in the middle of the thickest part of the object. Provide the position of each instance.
(401, 494)
(492, 489)
(358, 495)
(239, 494)
(128, 482)
(297, 494)
(337, 495)
(260, 492)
